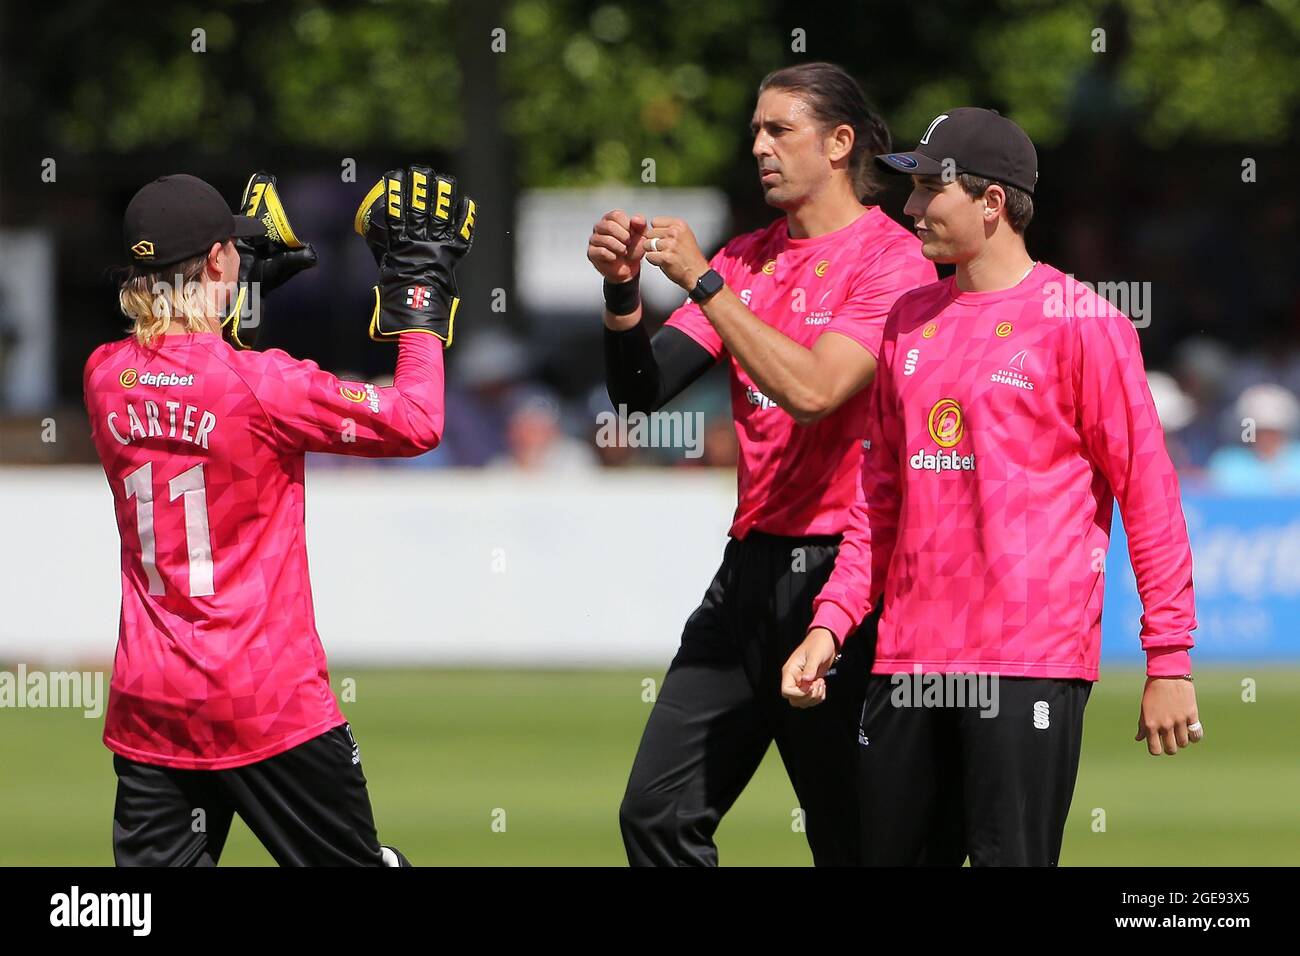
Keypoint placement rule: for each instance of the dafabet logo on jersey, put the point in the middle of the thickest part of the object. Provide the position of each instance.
(947, 427)
(945, 422)
(757, 398)
(362, 393)
(131, 378)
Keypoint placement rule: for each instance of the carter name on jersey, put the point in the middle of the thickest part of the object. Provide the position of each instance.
(166, 419)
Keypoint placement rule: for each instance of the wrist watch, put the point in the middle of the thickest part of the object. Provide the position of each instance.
(706, 287)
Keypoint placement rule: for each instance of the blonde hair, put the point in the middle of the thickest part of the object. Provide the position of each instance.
(154, 298)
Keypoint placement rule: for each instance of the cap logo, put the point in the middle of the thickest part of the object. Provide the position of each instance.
(900, 159)
(925, 140)
(143, 249)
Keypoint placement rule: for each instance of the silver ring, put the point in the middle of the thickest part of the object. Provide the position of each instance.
(653, 244)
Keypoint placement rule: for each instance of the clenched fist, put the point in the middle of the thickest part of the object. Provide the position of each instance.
(617, 245)
(803, 678)
(1168, 719)
(670, 244)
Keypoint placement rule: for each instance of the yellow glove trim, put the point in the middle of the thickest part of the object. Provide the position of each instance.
(377, 190)
(232, 318)
(279, 224)
(379, 336)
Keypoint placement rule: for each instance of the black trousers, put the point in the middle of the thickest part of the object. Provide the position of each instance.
(941, 783)
(720, 707)
(309, 806)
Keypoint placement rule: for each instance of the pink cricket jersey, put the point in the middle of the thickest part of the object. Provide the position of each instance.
(801, 479)
(1004, 426)
(218, 660)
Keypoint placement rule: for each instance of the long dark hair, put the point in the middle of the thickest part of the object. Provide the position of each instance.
(834, 98)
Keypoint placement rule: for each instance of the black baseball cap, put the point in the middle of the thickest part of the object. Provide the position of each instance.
(980, 142)
(180, 216)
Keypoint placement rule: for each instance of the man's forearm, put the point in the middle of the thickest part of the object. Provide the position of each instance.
(631, 375)
(621, 323)
(631, 372)
(644, 374)
(784, 370)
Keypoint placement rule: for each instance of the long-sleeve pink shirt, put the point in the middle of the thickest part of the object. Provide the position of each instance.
(218, 661)
(1003, 426)
(797, 479)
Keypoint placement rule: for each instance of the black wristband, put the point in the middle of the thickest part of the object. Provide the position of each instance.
(623, 298)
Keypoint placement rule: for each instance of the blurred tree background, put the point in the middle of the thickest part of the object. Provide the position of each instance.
(1138, 107)
(591, 88)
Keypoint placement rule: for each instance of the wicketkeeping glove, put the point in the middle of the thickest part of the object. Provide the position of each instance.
(270, 260)
(418, 227)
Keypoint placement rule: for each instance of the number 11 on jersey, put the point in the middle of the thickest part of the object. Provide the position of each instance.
(198, 538)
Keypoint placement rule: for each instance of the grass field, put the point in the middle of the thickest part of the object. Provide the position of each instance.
(443, 750)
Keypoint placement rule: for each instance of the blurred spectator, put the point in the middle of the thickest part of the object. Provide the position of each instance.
(610, 454)
(1268, 460)
(481, 379)
(1203, 368)
(535, 442)
(1176, 410)
(721, 449)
